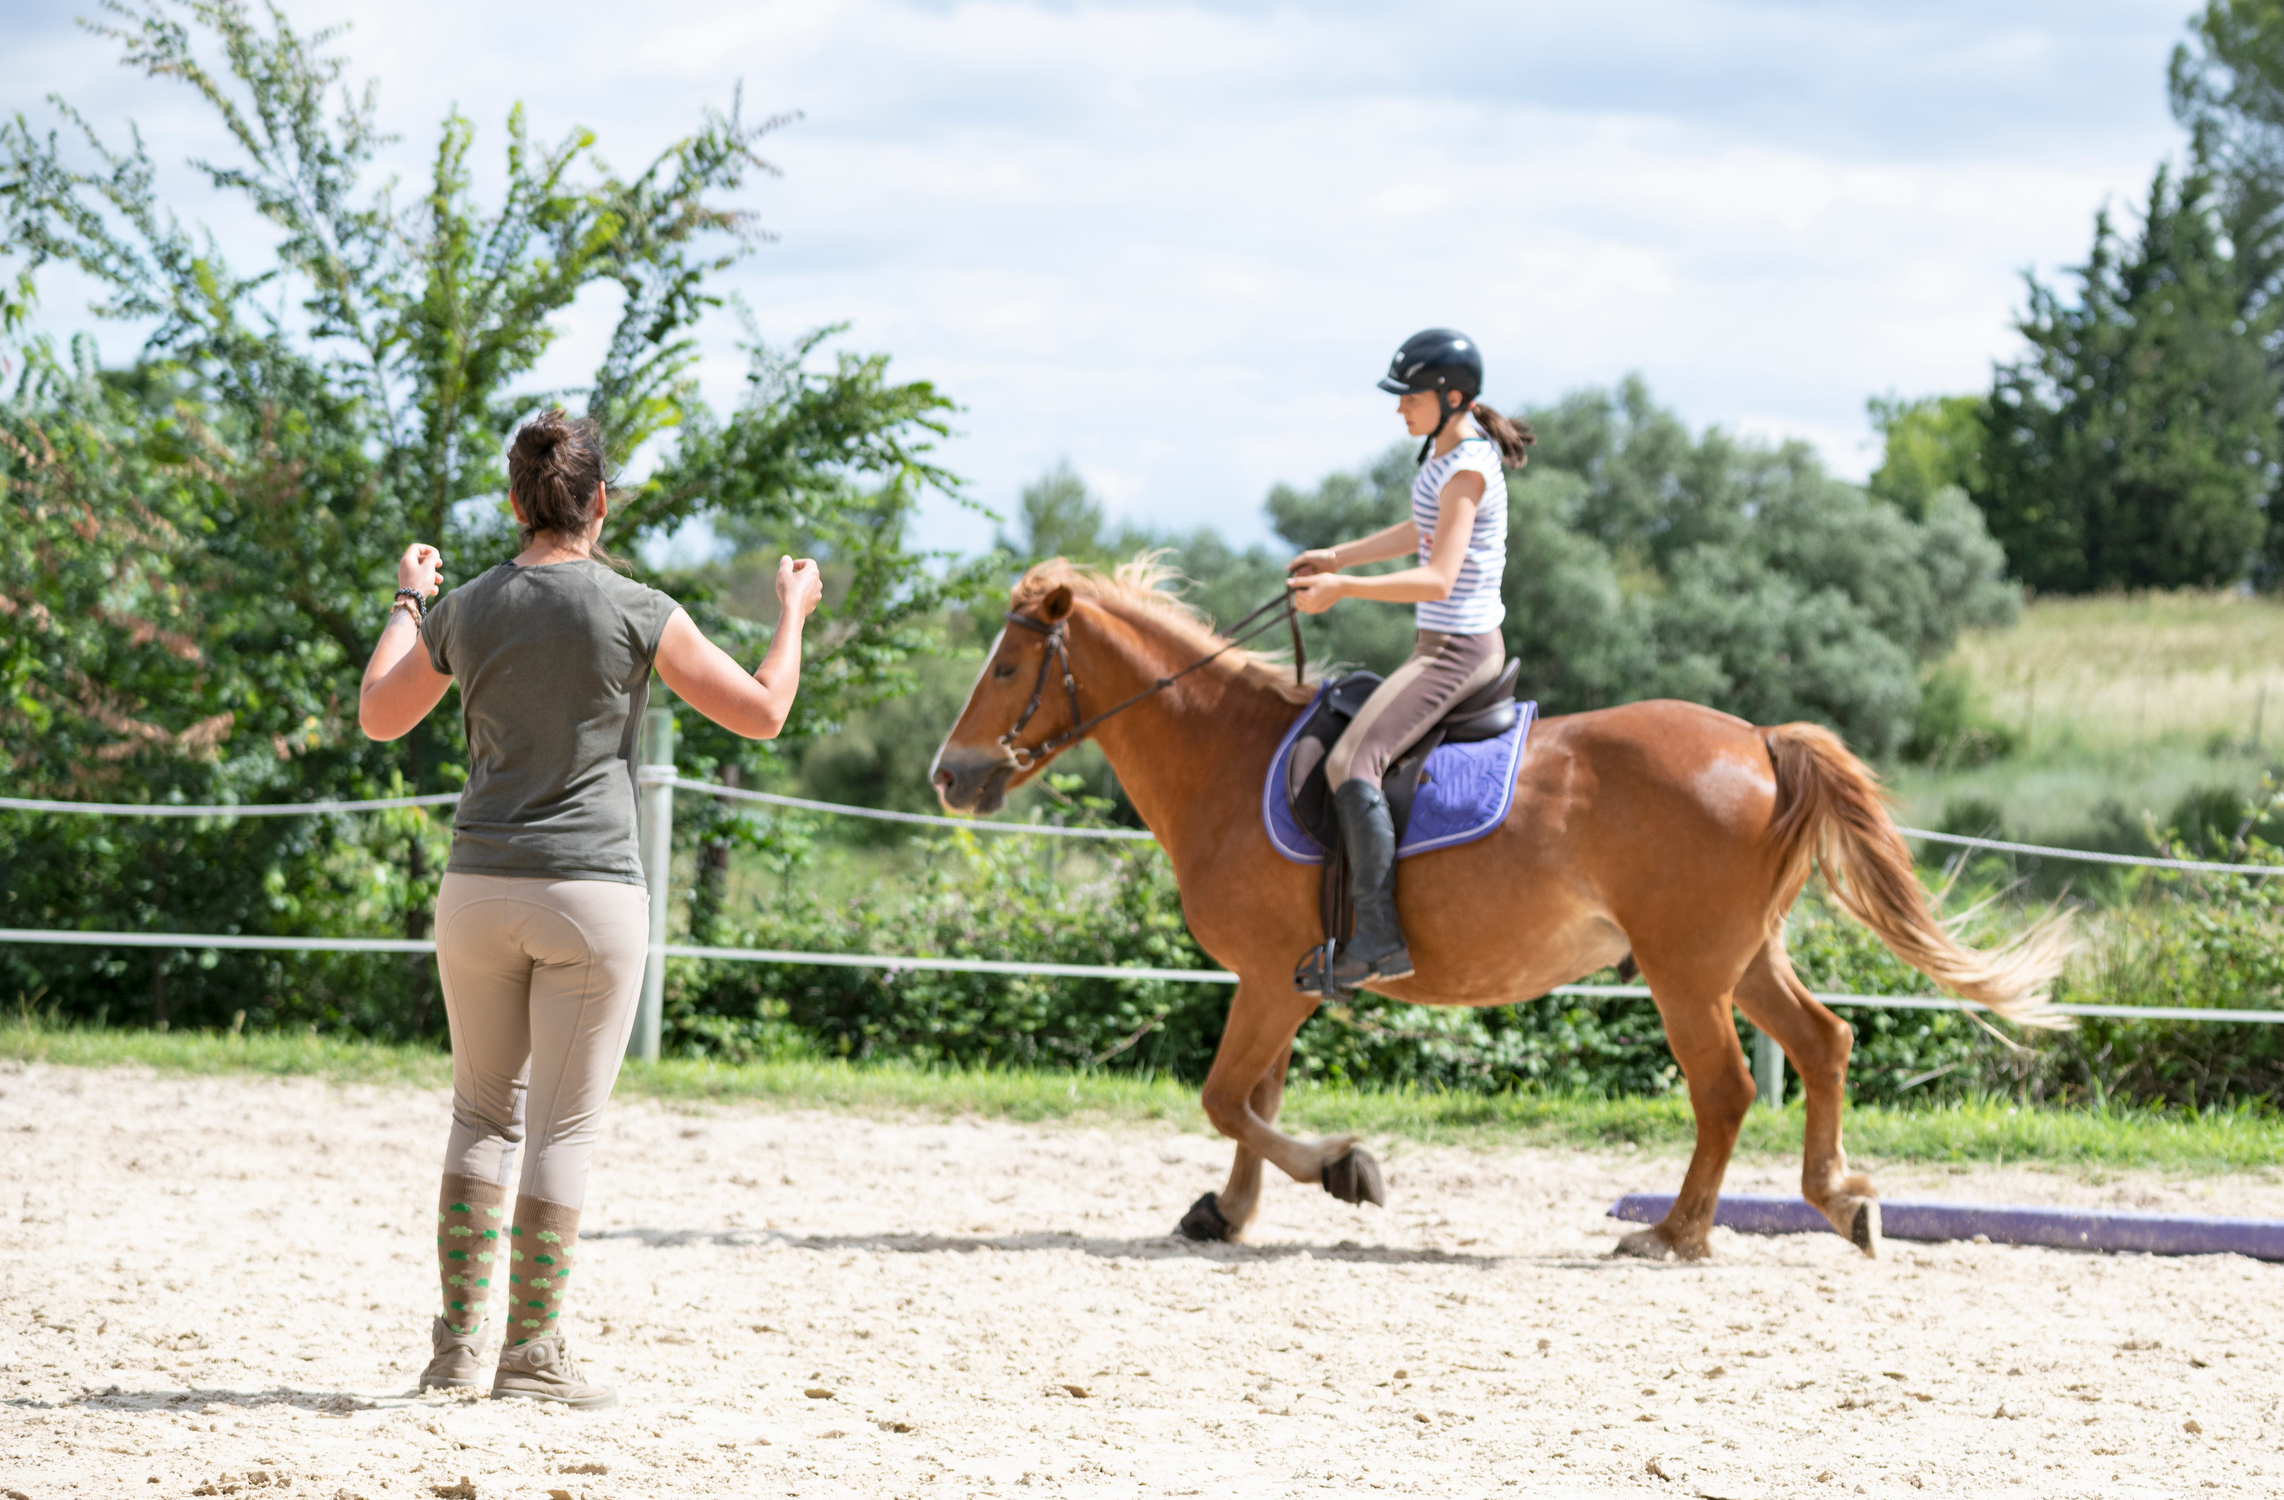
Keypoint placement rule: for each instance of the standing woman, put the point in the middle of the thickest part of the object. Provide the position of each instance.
(1458, 527)
(543, 918)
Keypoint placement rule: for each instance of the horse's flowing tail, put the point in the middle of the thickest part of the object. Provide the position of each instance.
(1830, 812)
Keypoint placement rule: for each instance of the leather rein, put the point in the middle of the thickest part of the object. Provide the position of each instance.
(1058, 653)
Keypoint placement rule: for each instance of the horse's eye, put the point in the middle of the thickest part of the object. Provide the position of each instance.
(1004, 670)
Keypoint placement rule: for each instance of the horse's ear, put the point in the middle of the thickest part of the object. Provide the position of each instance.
(1057, 605)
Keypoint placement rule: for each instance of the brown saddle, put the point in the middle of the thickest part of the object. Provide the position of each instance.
(1484, 714)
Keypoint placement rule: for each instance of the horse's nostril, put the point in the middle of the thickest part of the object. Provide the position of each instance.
(944, 779)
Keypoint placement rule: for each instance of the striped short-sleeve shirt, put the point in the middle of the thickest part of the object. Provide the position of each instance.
(1474, 605)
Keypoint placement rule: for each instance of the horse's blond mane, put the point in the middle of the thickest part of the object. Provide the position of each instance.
(1143, 585)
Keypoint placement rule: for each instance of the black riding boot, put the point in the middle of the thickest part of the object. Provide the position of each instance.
(1369, 837)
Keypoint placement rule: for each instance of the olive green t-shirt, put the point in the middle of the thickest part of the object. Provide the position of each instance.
(553, 664)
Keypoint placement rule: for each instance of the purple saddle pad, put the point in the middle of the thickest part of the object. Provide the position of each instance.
(1465, 792)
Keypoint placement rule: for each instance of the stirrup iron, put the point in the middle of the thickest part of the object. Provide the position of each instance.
(1313, 974)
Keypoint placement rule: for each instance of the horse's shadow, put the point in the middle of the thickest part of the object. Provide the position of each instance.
(1159, 1247)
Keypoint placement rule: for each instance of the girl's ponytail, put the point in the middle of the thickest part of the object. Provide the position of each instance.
(1514, 438)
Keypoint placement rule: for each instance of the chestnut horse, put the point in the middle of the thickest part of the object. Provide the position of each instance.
(1665, 830)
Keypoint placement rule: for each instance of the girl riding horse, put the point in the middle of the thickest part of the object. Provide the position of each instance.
(1458, 528)
(1666, 833)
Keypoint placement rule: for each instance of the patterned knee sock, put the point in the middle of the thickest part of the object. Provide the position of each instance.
(468, 1246)
(540, 1244)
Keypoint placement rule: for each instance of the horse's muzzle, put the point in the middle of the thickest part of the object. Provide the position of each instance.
(972, 781)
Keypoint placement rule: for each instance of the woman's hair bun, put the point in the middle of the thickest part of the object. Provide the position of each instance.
(540, 435)
(555, 465)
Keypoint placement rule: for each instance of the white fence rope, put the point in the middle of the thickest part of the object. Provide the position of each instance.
(225, 809)
(2089, 855)
(647, 776)
(948, 965)
(1943, 1002)
(896, 963)
(662, 776)
(73, 939)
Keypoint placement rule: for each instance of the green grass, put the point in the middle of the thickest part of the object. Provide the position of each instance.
(1971, 1131)
(2121, 704)
(280, 1054)
(2131, 669)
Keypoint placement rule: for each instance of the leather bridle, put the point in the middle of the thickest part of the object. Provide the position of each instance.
(1059, 651)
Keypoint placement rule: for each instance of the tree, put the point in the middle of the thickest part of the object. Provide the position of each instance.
(1927, 445)
(2226, 86)
(1061, 518)
(2135, 445)
(201, 546)
(2227, 89)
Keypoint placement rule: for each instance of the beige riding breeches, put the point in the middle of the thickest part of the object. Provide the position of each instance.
(1441, 670)
(540, 979)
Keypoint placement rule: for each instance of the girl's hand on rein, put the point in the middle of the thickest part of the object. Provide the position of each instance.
(1315, 560)
(420, 569)
(1315, 593)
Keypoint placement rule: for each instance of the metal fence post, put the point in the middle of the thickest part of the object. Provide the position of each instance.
(1768, 1069)
(655, 804)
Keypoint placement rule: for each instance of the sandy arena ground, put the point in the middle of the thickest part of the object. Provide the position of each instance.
(222, 1287)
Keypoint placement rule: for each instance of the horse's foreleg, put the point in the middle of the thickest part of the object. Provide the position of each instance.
(1704, 1042)
(1817, 1042)
(1259, 1034)
(1238, 1202)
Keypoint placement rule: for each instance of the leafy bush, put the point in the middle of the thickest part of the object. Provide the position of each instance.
(2197, 954)
(261, 876)
(2175, 941)
(976, 896)
(1953, 729)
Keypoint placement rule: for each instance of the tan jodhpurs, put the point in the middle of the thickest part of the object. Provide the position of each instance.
(540, 978)
(1441, 670)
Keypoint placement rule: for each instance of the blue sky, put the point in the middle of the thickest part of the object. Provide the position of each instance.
(1176, 243)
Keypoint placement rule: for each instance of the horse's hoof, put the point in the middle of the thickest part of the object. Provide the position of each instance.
(1648, 1244)
(1864, 1228)
(1204, 1222)
(1355, 1178)
(1643, 1244)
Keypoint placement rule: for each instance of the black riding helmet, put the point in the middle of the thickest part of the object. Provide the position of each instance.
(1438, 360)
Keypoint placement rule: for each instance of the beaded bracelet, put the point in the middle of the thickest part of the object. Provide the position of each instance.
(409, 599)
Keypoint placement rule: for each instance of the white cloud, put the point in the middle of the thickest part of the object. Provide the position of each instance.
(1176, 242)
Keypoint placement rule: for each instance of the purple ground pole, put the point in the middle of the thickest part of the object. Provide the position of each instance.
(2003, 1224)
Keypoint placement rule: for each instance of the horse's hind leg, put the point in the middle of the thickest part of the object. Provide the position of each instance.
(1695, 1010)
(1817, 1042)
